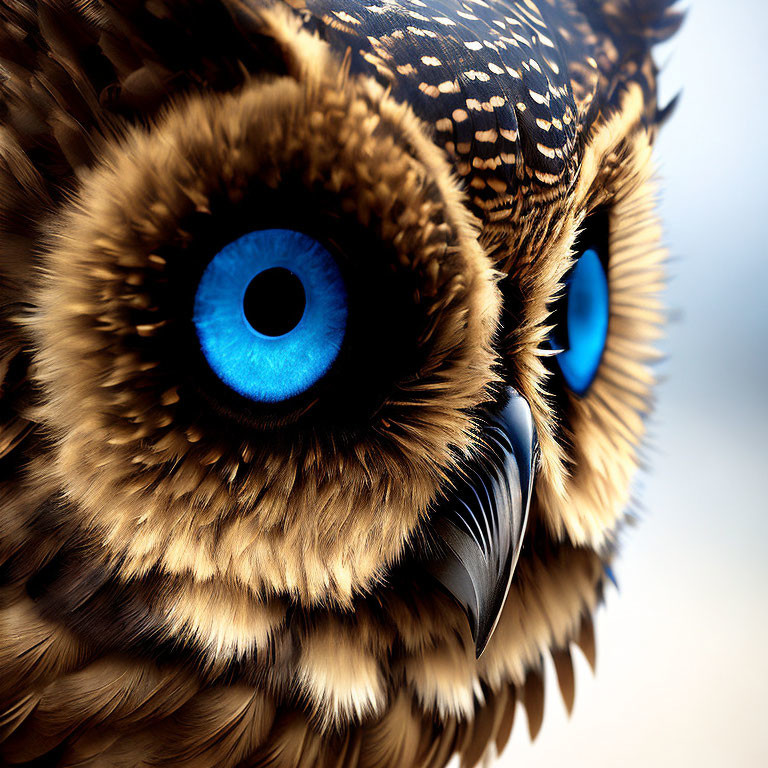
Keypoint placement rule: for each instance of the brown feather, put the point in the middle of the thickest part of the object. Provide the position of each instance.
(507, 718)
(565, 678)
(586, 640)
(533, 701)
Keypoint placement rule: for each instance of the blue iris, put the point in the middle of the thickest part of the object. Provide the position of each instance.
(586, 321)
(270, 313)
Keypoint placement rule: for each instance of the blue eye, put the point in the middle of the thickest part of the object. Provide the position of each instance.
(270, 313)
(586, 321)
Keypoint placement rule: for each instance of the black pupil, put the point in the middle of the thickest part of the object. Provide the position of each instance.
(274, 301)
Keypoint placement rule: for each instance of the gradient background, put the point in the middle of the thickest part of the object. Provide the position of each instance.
(682, 670)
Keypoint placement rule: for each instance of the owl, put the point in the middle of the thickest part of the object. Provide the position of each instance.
(326, 351)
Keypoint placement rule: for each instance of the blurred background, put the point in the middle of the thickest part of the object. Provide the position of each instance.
(682, 669)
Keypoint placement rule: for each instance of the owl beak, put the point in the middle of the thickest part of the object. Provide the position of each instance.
(480, 525)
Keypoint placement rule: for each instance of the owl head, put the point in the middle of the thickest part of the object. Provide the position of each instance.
(326, 344)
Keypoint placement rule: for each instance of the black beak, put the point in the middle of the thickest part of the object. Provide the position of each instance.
(480, 524)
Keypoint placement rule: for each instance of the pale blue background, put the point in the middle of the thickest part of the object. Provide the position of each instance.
(682, 674)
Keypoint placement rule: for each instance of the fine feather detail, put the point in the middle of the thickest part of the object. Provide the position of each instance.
(146, 616)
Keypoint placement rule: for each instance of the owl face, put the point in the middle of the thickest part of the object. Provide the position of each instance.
(329, 332)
